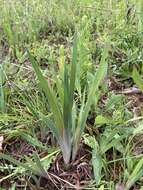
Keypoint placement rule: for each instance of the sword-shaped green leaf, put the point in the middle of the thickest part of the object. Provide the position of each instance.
(53, 102)
(100, 74)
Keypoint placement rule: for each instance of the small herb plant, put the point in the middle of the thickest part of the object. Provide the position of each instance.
(70, 119)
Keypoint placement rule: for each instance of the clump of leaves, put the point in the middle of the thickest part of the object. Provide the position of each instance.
(69, 119)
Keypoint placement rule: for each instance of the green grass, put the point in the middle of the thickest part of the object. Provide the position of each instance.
(56, 92)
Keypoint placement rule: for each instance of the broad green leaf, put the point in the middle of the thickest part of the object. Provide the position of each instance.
(101, 120)
(96, 157)
(90, 141)
(112, 101)
(111, 140)
(97, 165)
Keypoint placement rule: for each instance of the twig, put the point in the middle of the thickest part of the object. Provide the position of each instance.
(134, 119)
(63, 180)
(132, 90)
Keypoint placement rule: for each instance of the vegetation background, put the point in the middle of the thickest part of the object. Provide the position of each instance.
(74, 66)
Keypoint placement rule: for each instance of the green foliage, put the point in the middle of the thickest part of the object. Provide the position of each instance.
(113, 139)
(66, 100)
(63, 128)
(137, 79)
(96, 157)
(2, 98)
(135, 175)
(36, 165)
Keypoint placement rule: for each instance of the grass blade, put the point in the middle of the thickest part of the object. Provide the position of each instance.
(135, 175)
(137, 78)
(2, 99)
(73, 71)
